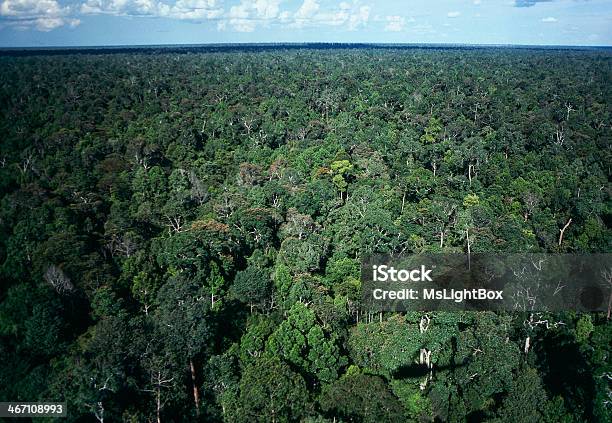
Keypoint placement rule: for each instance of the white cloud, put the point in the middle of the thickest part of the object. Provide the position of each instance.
(181, 9)
(395, 23)
(477, 2)
(308, 9)
(360, 18)
(242, 16)
(44, 15)
(352, 15)
(190, 9)
(29, 7)
(267, 9)
(237, 15)
(47, 24)
(549, 19)
(122, 7)
(245, 16)
(93, 6)
(239, 18)
(453, 14)
(305, 13)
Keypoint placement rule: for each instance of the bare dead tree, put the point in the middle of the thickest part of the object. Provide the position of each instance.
(175, 223)
(198, 189)
(248, 124)
(424, 323)
(469, 249)
(226, 206)
(470, 170)
(26, 164)
(562, 231)
(58, 279)
(559, 136)
(123, 245)
(142, 160)
(261, 138)
(97, 410)
(425, 354)
(159, 381)
(569, 109)
(531, 201)
(535, 320)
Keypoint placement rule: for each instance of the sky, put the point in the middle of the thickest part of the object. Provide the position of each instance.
(45, 23)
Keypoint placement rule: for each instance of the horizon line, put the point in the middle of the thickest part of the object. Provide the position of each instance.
(307, 43)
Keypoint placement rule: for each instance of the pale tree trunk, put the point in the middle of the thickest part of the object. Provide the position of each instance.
(158, 382)
(196, 392)
(425, 354)
(99, 413)
(562, 231)
(467, 235)
(470, 173)
(158, 403)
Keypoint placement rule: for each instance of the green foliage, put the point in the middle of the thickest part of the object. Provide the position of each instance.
(183, 317)
(270, 391)
(189, 228)
(341, 171)
(302, 342)
(584, 328)
(432, 131)
(363, 398)
(471, 200)
(525, 400)
(252, 286)
(417, 406)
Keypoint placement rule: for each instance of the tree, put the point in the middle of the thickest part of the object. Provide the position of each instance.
(361, 397)
(252, 286)
(432, 131)
(300, 341)
(186, 326)
(340, 173)
(525, 400)
(271, 392)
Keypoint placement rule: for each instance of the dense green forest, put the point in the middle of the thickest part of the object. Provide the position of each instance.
(181, 233)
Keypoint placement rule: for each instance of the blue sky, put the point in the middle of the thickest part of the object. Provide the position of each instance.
(124, 22)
